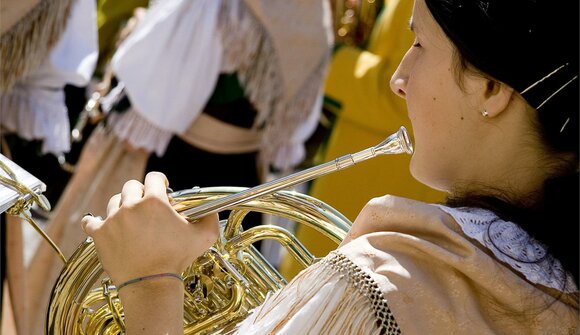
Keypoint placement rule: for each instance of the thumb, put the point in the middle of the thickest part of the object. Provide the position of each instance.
(91, 224)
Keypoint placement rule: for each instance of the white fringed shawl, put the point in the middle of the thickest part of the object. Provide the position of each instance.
(170, 64)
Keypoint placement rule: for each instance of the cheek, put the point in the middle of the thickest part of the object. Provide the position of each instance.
(426, 108)
(432, 98)
(430, 109)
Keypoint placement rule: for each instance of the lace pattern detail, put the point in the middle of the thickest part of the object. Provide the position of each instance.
(512, 245)
(139, 132)
(367, 287)
(37, 114)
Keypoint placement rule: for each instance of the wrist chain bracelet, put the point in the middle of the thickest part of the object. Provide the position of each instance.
(136, 280)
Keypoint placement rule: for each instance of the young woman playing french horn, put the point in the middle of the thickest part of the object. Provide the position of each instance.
(493, 100)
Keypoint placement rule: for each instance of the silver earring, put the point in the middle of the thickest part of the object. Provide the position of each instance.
(484, 113)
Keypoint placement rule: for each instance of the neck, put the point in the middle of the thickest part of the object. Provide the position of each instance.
(513, 163)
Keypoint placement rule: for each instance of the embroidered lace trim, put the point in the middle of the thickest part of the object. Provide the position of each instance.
(367, 287)
(512, 245)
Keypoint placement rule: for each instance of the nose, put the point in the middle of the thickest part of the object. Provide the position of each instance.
(399, 83)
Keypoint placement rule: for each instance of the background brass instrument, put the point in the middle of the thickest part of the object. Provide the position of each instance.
(354, 20)
(230, 279)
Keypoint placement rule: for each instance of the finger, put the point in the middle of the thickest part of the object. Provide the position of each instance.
(156, 185)
(207, 227)
(131, 193)
(90, 224)
(210, 220)
(114, 204)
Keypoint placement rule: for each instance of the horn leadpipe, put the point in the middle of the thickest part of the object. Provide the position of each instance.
(396, 143)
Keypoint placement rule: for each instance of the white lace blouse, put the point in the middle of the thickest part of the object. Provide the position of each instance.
(512, 245)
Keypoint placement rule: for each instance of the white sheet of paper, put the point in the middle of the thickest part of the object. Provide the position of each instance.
(8, 196)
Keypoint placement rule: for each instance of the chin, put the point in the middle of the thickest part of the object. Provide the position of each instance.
(414, 168)
(423, 173)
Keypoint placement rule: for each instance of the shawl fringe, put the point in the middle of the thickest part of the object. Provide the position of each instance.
(27, 44)
(333, 296)
(250, 52)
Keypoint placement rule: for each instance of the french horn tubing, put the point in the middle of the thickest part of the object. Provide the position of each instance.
(232, 277)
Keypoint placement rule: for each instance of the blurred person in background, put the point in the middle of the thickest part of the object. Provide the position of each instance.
(48, 52)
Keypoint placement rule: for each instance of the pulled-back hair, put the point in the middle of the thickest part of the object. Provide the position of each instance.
(519, 43)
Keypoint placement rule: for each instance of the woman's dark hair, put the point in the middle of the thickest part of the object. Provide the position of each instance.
(532, 46)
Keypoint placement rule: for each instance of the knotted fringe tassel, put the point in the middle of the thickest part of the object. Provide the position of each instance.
(333, 296)
(27, 44)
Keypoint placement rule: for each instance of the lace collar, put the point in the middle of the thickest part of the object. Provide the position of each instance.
(513, 246)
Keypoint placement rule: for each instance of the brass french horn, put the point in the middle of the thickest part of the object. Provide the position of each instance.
(231, 278)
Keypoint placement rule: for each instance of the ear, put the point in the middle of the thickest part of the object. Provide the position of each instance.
(497, 97)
